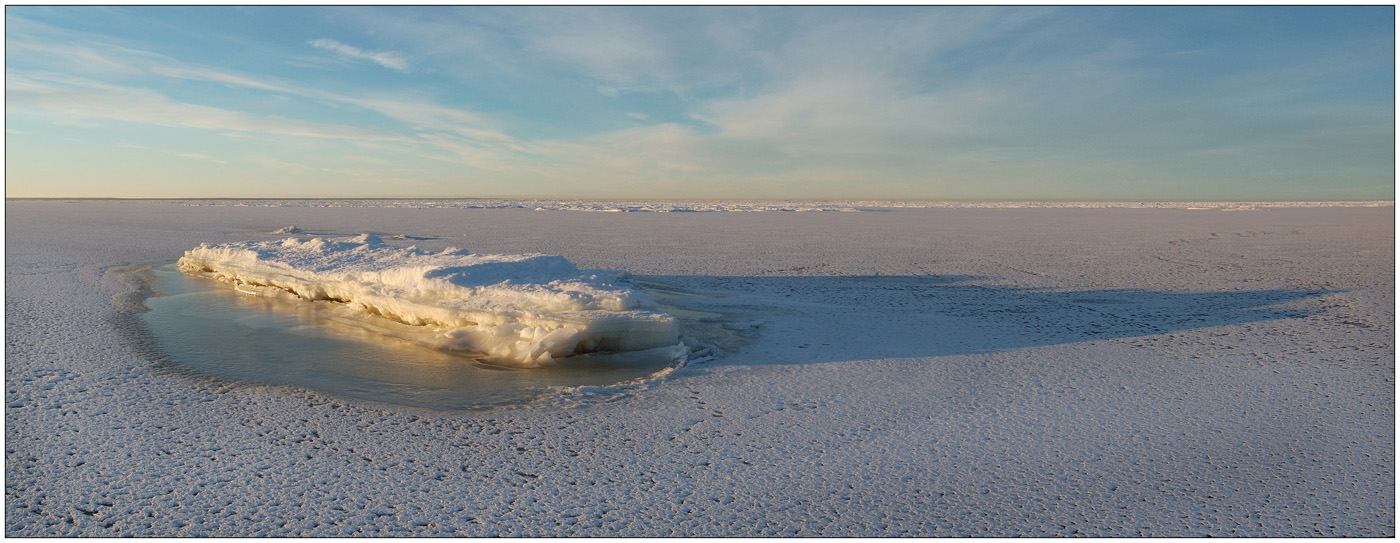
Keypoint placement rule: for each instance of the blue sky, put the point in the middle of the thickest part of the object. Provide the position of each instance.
(986, 103)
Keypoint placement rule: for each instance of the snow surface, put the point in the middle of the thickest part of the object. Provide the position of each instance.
(1034, 372)
(684, 206)
(526, 309)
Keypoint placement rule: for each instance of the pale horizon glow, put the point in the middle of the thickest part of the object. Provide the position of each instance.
(889, 103)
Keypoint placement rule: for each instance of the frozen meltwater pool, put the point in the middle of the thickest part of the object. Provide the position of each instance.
(204, 325)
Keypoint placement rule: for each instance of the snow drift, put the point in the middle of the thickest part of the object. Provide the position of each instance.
(527, 309)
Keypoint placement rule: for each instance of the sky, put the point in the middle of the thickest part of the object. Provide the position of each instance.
(928, 103)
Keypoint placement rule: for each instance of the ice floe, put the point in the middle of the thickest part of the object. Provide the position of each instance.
(522, 309)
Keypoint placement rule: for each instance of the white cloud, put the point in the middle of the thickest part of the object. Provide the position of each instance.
(387, 59)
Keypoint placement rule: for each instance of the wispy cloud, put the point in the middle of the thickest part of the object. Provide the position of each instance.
(66, 98)
(277, 163)
(173, 69)
(420, 115)
(366, 160)
(428, 116)
(84, 92)
(725, 102)
(387, 59)
(180, 154)
(612, 49)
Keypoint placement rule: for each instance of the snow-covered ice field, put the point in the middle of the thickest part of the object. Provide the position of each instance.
(1038, 370)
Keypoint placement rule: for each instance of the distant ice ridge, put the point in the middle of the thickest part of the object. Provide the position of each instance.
(680, 206)
(527, 309)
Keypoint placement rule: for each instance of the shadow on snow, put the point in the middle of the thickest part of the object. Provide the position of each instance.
(822, 319)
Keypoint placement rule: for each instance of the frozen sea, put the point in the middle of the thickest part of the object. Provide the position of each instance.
(979, 370)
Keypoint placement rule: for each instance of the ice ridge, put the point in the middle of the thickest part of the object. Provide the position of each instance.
(523, 309)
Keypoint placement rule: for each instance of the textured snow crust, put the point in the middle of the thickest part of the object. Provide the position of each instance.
(921, 372)
(527, 309)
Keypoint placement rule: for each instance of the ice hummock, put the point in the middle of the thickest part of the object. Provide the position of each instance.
(524, 309)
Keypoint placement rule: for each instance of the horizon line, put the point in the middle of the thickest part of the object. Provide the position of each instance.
(561, 199)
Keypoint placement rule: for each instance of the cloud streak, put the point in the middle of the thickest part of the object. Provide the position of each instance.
(387, 59)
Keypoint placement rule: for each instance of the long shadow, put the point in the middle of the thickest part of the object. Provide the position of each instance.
(845, 317)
